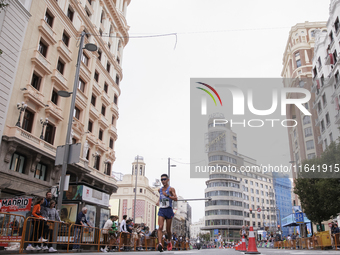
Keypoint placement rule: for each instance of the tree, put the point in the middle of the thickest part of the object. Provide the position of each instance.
(318, 185)
(204, 236)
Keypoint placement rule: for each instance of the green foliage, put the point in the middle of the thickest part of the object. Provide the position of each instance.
(318, 185)
(204, 237)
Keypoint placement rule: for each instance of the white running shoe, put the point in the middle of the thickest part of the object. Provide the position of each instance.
(42, 240)
(44, 248)
(30, 248)
(37, 248)
(51, 249)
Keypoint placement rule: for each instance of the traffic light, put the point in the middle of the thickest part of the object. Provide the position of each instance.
(250, 210)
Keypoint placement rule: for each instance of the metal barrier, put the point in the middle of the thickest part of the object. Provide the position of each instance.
(79, 235)
(36, 229)
(336, 239)
(109, 239)
(126, 241)
(38, 232)
(11, 229)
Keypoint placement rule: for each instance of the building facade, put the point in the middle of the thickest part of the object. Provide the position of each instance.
(234, 194)
(297, 69)
(28, 148)
(326, 77)
(283, 199)
(195, 229)
(182, 219)
(146, 197)
(11, 42)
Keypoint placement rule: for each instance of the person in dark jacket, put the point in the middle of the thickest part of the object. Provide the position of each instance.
(81, 222)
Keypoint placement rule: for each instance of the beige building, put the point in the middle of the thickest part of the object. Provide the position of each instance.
(297, 66)
(47, 66)
(146, 197)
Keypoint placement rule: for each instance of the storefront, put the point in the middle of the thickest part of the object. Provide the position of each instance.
(289, 222)
(79, 196)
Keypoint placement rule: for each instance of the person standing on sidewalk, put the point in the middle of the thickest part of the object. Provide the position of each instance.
(78, 230)
(167, 195)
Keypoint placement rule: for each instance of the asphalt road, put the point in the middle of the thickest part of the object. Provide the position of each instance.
(218, 251)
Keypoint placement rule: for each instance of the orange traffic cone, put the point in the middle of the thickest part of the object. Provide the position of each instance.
(243, 245)
(252, 243)
(236, 247)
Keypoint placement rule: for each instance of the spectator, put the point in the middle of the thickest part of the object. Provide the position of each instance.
(123, 225)
(147, 232)
(105, 231)
(81, 220)
(51, 214)
(46, 203)
(154, 233)
(113, 232)
(39, 226)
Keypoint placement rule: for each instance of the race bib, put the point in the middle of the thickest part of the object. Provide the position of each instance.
(164, 203)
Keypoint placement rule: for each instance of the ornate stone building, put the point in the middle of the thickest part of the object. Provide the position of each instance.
(46, 66)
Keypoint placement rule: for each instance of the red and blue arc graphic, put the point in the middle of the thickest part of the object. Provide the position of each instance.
(213, 90)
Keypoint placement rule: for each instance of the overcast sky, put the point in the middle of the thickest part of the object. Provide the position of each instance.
(215, 39)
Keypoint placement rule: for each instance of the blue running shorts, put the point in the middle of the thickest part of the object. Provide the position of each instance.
(166, 213)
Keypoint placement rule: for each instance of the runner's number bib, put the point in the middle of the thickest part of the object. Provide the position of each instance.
(164, 203)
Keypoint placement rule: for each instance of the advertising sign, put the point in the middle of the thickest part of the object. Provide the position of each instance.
(299, 218)
(21, 204)
(104, 216)
(74, 192)
(95, 196)
(68, 213)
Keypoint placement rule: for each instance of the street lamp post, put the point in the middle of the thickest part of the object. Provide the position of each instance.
(21, 109)
(90, 47)
(169, 169)
(43, 123)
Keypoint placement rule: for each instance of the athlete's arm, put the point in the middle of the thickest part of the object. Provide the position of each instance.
(173, 195)
(158, 199)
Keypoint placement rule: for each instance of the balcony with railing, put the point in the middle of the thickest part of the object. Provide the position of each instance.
(103, 121)
(59, 80)
(96, 88)
(105, 98)
(64, 51)
(113, 130)
(34, 95)
(53, 110)
(47, 31)
(94, 112)
(114, 108)
(81, 98)
(41, 62)
(31, 140)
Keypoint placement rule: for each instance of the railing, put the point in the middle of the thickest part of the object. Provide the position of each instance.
(31, 139)
(39, 232)
(36, 234)
(11, 230)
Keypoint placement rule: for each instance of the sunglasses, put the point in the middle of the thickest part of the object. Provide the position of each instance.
(163, 179)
